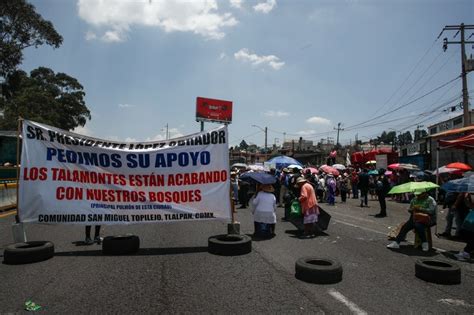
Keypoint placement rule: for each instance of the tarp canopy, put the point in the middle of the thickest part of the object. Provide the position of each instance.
(466, 142)
(363, 157)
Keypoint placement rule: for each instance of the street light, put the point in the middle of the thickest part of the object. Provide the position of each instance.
(264, 130)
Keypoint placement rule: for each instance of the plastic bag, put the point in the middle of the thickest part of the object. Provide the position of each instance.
(296, 209)
(468, 223)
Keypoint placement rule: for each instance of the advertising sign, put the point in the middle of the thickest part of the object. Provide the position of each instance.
(67, 178)
(213, 110)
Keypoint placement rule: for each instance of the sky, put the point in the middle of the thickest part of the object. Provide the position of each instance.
(297, 67)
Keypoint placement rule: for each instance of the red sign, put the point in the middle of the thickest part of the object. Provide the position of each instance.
(208, 109)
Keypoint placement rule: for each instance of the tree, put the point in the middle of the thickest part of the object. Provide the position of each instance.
(387, 138)
(22, 27)
(420, 134)
(405, 138)
(243, 145)
(44, 96)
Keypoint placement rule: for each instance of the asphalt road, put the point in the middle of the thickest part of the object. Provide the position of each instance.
(174, 273)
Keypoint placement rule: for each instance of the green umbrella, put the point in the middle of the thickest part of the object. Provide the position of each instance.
(411, 187)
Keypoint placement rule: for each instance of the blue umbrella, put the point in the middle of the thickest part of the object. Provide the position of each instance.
(261, 178)
(283, 161)
(460, 185)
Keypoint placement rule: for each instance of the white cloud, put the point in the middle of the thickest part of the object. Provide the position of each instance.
(172, 132)
(222, 56)
(91, 35)
(198, 17)
(114, 36)
(306, 132)
(246, 56)
(125, 105)
(83, 131)
(265, 7)
(318, 120)
(272, 113)
(236, 3)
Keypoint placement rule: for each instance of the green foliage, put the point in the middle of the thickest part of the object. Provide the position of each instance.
(420, 134)
(21, 27)
(405, 138)
(387, 138)
(52, 98)
(243, 145)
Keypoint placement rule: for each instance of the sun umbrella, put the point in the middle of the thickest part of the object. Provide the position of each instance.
(258, 168)
(465, 184)
(311, 169)
(261, 178)
(294, 166)
(406, 166)
(444, 169)
(373, 172)
(412, 187)
(388, 173)
(283, 161)
(239, 165)
(339, 167)
(459, 166)
(371, 162)
(329, 170)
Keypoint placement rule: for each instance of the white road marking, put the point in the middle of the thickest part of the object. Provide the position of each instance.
(455, 302)
(360, 227)
(382, 233)
(351, 305)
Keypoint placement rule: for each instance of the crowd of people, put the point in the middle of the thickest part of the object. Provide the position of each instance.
(312, 187)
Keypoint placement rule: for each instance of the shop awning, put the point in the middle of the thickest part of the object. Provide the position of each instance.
(466, 142)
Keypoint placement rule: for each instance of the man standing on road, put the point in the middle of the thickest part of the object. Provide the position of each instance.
(364, 187)
(382, 187)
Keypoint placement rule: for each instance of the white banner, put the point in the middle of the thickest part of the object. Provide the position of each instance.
(67, 178)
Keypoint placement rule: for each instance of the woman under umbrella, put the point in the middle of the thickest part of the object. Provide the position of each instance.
(264, 211)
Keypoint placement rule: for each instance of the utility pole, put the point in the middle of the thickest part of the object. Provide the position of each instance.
(462, 42)
(338, 129)
(266, 132)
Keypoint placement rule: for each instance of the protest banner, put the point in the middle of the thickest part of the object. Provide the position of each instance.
(67, 178)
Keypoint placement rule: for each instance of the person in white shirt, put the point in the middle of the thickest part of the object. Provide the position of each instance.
(264, 211)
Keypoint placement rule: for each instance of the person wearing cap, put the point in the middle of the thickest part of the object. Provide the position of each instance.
(422, 203)
(309, 206)
(264, 210)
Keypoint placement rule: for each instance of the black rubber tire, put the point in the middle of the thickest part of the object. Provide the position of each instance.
(229, 244)
(318, 270)
(120, 244)
(437, 271)
(28, 252)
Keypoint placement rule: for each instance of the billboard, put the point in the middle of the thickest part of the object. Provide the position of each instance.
(208, 109)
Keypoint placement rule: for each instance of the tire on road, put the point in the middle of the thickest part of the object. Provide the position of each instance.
(28, 252)
(318, 270)
(437, 271)
(229, 244)
(120, 244)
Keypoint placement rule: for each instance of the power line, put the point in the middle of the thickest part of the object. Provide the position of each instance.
(406, 104)
(406, 79)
